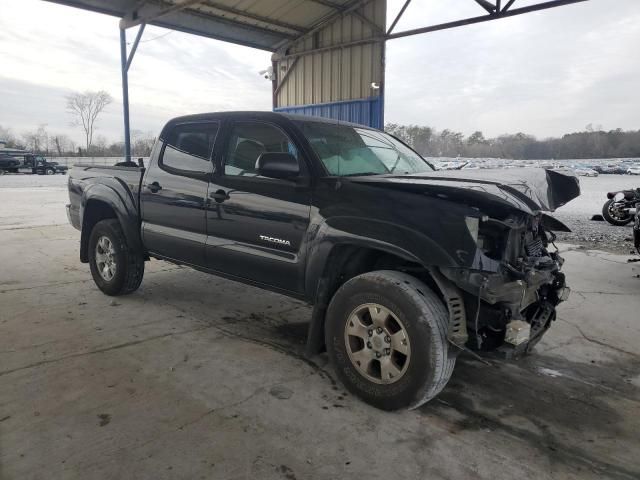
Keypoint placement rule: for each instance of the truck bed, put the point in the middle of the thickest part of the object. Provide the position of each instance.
(83, 177)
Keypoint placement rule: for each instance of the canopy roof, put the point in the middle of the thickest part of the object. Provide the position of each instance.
(272, 24)
(255, 23)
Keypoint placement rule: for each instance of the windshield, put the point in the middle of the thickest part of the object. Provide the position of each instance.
(346, 150)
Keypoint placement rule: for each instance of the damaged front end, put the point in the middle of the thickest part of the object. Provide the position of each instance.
(514, 285)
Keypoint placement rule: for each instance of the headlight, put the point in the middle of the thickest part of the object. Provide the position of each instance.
(618, 197)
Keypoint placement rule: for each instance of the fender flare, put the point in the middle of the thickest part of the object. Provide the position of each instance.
(124, 208)
(319, 285)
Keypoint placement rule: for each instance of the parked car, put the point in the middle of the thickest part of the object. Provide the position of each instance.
(8, 163)
(586, 172)
(633, 170)
(41, 166)
(405, 266)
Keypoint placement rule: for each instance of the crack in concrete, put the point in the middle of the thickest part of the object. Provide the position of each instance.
(102, 350)
(59, 284)
(598, 342)
(547, 442)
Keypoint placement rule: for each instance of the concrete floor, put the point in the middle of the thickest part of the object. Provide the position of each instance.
(197, 377)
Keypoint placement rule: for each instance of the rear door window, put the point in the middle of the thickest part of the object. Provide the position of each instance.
(188, 148)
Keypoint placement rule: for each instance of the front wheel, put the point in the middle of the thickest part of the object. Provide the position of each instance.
(116, 269)
(386, 335)
(49, 171)
(614, 216)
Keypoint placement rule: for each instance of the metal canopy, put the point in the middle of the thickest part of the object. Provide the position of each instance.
(280, 26)
(262, 24)
(274, 25)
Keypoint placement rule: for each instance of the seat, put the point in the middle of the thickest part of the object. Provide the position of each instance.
(246, 155)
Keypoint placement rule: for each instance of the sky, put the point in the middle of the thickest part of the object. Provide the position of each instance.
(545, 73)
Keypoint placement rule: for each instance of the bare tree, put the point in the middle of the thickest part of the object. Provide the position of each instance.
(85, 108)
(38, 140)
(63, 144)
(7, 136)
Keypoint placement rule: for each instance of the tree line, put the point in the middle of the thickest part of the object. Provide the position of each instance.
(44, 142)
(84, 109)
(593, 142)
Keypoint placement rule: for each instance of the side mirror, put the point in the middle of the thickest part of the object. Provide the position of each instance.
(278, 165)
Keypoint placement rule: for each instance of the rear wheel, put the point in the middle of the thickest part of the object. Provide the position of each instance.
(49, 171)
(615, 216)
(116, 268)
(387, 339)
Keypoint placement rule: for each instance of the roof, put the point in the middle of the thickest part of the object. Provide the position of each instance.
(262, 24)
(265, 115)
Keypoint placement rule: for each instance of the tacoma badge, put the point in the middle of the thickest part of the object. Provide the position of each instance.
(279, 241)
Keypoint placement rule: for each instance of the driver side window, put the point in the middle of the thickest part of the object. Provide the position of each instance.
(248, 140)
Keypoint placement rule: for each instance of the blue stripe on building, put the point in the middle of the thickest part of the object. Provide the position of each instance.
(365, 111)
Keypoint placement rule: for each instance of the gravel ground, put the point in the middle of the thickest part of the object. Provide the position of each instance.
(577, 215)
(50, 193)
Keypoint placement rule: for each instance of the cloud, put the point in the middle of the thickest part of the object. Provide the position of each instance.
(544, 73)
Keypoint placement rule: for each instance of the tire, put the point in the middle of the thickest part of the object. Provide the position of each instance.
(619, 222)
(128, 266)
(423, 320)
(49, 171)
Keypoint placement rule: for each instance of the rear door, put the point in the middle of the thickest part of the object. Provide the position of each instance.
(174, 193)
(256, 226)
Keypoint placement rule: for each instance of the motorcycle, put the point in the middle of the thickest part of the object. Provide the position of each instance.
(620, 208)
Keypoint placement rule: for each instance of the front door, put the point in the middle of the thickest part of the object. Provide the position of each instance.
(256, 226)
(174, 193)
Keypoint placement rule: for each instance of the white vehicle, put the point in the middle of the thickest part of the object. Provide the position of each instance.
(633, 170)
(586, 172)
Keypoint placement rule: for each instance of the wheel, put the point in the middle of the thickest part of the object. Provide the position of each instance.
(49, 171)
(116, 269)
(386, 336)
(613, 216)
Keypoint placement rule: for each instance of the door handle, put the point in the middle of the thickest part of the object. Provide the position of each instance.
(220, 196)
(154, 187)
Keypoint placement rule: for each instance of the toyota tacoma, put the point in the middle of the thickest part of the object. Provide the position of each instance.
(405, 266)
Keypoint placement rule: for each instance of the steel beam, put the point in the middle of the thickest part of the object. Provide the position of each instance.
(506, 7)
(328, 20)
(488, 6)
(258, 18)
(484, 18)
(134, 47)
(125, 93)
(132, 22)
(397, 19)
(285, 76)
(354, 43)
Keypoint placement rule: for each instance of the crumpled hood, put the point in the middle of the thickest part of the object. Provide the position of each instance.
(527, 189)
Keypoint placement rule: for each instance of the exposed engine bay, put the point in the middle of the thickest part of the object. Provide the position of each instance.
(515, 284)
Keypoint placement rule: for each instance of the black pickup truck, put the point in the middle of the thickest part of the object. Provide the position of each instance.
(404, 266)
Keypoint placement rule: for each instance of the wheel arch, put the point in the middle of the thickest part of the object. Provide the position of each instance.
(348, 259)
(102, 203)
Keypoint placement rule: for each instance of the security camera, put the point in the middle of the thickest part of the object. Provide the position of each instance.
(375, 85)
(267, 73)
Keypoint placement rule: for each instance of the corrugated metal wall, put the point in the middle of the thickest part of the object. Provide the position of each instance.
(336, 82)
(363, 111)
